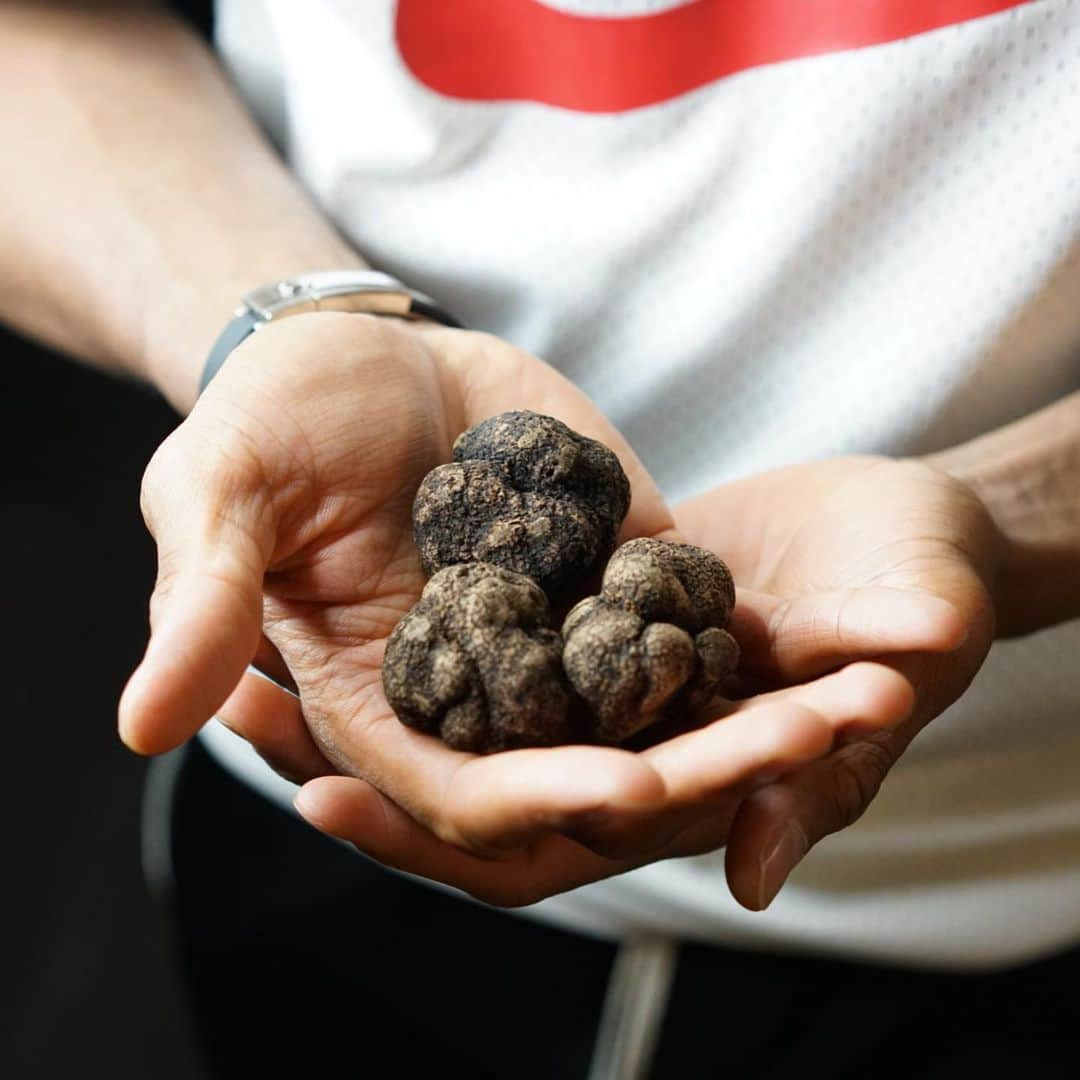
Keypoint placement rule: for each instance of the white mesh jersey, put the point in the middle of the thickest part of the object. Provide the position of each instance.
(870, 249)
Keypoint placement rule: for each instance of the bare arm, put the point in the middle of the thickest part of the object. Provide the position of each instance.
(138, 200)
(1028, 476)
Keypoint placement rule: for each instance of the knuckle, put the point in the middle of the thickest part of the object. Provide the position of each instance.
(776, 634)
(777, 624)
(235, 467)
(216, 467)
(858, 773)
(702, 840)
(836, 630)
(452, 835)
(466, 838)
(160, 477)
(472, 816)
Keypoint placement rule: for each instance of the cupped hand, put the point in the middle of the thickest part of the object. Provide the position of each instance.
(281, 509)
(845, 560)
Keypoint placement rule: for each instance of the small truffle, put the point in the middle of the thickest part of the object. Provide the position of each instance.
(527, 493)
(653, 642)
(477, 663)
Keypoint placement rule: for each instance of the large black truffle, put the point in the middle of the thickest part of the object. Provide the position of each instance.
(652, 644)
(477, 662)
(527, 493)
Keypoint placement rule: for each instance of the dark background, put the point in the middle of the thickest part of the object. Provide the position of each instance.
(90, 981)
(89, 985)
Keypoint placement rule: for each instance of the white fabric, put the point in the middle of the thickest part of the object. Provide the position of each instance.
(870, 251)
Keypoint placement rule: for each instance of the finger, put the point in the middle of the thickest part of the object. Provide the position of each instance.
(860, 699)
(206, 610)
(495, 803)
(776, 826)
(801, 637)
(609, 799)
(706, 772)
(763, 738)
(358, 813)
(491, 805)
(739, 749)
(509, 800)
(271, 719)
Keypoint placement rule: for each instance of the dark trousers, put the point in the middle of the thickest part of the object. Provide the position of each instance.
(304, 957)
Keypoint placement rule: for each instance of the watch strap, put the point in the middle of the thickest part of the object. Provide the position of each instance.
(241, 326)
(368, 292)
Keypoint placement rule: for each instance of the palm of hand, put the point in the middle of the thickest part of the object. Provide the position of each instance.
(860, 551)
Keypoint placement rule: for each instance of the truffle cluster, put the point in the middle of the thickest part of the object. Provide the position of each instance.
(526, 511)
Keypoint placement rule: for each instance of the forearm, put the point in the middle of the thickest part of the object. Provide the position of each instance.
(1028, 476)
(139, 201)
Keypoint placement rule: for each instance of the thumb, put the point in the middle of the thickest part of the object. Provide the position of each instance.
(777, 825)
(206, 610)
(800, 637)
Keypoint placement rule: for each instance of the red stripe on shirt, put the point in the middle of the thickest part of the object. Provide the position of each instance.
(486, 50)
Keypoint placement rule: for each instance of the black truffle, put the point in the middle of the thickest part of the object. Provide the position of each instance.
(527, 493)
(477, 662)
(652, 644)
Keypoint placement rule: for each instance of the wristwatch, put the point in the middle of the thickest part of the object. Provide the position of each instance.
(364, 291)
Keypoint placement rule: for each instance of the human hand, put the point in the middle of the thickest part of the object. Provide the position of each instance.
(844, 560)
(283, 505)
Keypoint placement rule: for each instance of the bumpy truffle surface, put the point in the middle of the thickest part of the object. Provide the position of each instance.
(653, 641)
(527, 493)
(477, 662)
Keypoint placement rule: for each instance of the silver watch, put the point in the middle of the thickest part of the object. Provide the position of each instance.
(361, 291)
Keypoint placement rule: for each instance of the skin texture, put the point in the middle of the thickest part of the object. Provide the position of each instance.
(652, 644)
(527, 493)
(477, 663)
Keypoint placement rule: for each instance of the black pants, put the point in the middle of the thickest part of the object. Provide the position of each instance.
(304, 957)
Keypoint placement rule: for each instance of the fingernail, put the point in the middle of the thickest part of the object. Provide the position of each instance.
(302, 804)
(784, 856)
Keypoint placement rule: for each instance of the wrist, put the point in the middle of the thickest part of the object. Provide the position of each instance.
(178, 329)
(1027, 475)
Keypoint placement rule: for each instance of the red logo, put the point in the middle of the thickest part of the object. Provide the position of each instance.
(523, 50)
